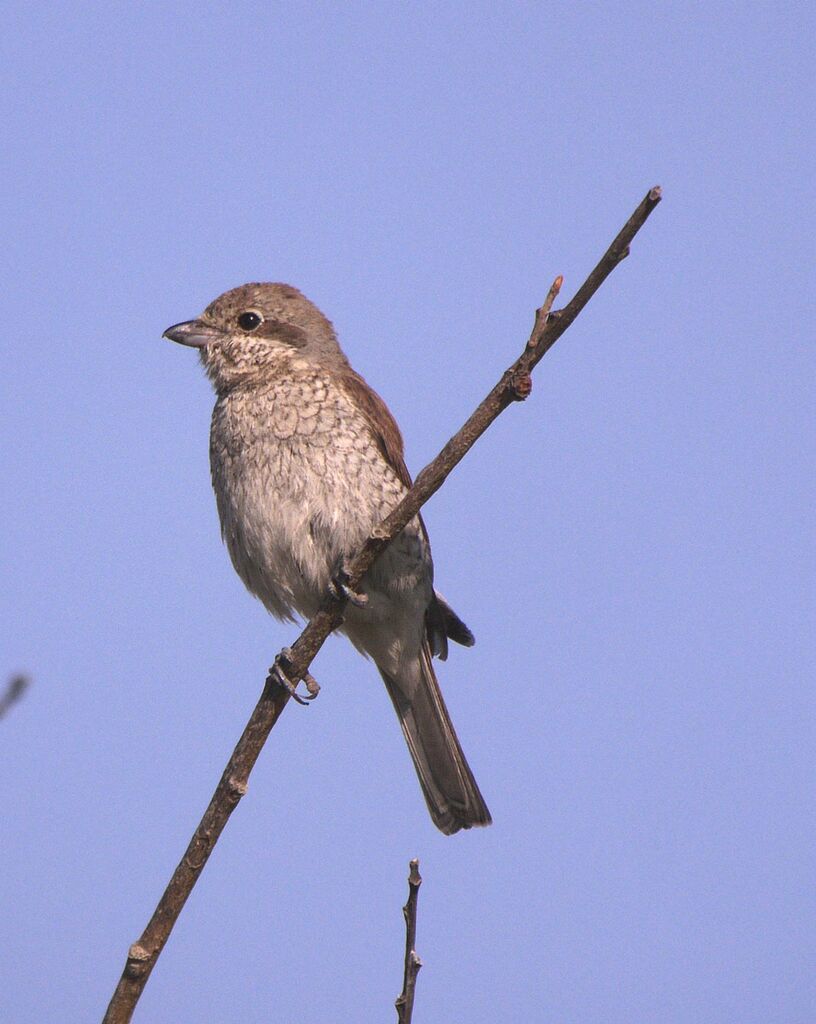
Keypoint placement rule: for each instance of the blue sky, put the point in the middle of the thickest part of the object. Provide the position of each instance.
(632, 546)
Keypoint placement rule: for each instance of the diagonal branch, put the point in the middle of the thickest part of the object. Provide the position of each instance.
(405, 1000)
(514, 385)
(14, 691)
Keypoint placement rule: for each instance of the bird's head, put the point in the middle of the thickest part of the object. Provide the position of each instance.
(250, 333)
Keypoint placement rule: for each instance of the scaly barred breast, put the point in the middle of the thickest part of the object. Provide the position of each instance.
(299, 483)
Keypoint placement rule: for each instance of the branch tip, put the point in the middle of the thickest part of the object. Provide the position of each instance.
(16, 687)
(405, 1000)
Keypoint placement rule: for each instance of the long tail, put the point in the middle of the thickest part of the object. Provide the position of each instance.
(447, 782)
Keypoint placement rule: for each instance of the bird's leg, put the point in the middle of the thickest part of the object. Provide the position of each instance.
(279, 676)
(338, 585)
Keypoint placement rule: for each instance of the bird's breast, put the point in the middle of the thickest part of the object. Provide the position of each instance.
(299, 482)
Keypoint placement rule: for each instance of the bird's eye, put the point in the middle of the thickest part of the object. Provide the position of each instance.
(249, 321)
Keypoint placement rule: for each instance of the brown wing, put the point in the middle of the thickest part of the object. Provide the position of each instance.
(382, 424)
(441, 622)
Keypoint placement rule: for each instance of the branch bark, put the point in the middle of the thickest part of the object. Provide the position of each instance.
(405, 1000)
(515, 385)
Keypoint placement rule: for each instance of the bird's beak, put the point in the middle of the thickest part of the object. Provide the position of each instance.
(193, 333)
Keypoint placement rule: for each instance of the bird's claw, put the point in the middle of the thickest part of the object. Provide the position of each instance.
(279, 675)
(338, 585)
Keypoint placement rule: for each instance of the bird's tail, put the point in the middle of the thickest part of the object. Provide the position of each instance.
(447, 782)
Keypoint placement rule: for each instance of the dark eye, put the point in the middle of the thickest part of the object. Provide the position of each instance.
(249, 321)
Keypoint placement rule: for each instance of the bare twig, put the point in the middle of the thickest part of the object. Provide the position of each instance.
(405, 1000)
(15, 689)
(514, 385)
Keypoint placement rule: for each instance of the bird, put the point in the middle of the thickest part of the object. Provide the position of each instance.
(305, 460)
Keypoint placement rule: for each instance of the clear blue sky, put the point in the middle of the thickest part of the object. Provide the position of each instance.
(633, 546)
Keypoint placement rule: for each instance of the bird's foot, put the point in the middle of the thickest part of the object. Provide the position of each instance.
(338, 586)
(279, 676)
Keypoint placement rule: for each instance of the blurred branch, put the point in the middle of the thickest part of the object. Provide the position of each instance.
(405, 1000)
(15, 689)
(515, 385)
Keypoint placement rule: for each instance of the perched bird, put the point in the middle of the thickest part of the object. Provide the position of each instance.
(305, 460)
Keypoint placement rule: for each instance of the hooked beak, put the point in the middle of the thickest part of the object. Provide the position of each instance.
(193, 333)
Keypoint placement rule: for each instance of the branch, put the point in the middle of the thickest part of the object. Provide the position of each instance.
(15, 689)
(405, 1000)
(514, 385)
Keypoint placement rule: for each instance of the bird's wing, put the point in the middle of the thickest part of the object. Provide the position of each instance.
(380, 422)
